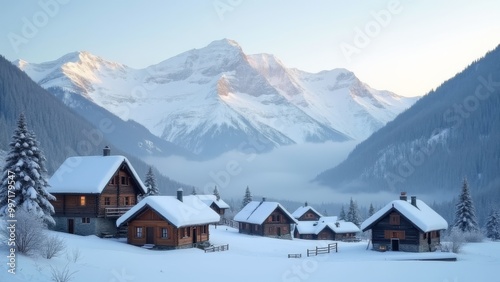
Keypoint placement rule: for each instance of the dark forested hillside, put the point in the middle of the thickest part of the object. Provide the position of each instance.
(451, 133)
(61, 132)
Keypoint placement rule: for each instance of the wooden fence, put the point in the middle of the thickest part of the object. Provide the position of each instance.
(229, 222)
(322, 250)
(220, 248)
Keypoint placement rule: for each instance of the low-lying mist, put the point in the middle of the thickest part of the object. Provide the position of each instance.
(285, 173)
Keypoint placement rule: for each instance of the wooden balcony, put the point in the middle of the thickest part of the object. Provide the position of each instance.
(116, 212)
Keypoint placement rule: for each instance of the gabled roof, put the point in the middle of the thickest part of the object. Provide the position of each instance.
(191, 211)
(331, 222)
(256, 212)
(302, 210)
(212, 199)
(89, 174)
(422, 216)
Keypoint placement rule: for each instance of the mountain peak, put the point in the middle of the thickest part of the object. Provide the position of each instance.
(224, 42)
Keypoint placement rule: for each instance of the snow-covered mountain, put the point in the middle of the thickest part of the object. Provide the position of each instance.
(217, 98)
(437, 142)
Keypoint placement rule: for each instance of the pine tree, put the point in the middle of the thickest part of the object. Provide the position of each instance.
(194, 191)
(342, 215)
(465, 214)
(247, 198)
(353, 213)
(25, 171)
(371, 210)
(216, 193)
(150, 183)
(493, 225)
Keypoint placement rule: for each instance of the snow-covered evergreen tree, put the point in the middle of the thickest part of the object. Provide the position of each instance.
(25, 171)
(493, 225)
(247, 198)
(150, 183)
(465, 214)
(371, 210)
(194, 192)
(353, 213)
(342, 215)
(216, 193)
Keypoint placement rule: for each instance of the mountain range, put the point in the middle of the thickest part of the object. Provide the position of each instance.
(208, 101)
(60, 131)
(449, 134)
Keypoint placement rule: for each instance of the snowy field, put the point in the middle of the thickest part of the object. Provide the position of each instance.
(252, 258)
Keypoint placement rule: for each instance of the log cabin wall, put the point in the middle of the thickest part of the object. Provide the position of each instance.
(217, 209)
(277, 224)
(82, 205)
(150, 221)
(396, 226)
(164, 234)
(249, 228)
(120, 191)
(326, 234)
(309, 216)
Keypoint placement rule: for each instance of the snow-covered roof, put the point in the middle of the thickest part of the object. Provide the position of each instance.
(212, 199)
(422, 216)
(302, 210)
(337, 226)
(88, 174)
(191, 211)
(256, 212)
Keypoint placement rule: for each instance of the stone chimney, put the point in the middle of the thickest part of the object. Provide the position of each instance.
(403, 196)
(414, 201)
(305, 205)
(106, 151)
(179, 194)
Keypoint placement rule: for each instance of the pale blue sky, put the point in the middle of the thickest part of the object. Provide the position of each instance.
(422, 44)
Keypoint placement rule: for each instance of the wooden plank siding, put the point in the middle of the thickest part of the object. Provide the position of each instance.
(404, 230)
(72, 205)
(309, 216)
(277, 224)
(218, 210)
(151, 220)
(121, 191)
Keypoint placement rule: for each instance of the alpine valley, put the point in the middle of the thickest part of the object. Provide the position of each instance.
(216, 99)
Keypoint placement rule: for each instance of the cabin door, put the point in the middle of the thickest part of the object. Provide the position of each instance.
(195, 238)
(278, 231)
(395, 244)
(150, 235)
(71, 226)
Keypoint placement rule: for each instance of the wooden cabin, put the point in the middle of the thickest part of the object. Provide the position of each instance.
(219, 206)
(403, 225)
(92, 192)
(269, 219)
(306, 213)
(326, 228)
(168, 222)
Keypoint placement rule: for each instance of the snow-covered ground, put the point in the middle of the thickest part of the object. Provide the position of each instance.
(252, 258)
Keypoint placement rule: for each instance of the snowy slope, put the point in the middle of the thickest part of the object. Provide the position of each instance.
(213, 99)
(259, 258)
(337, 97)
